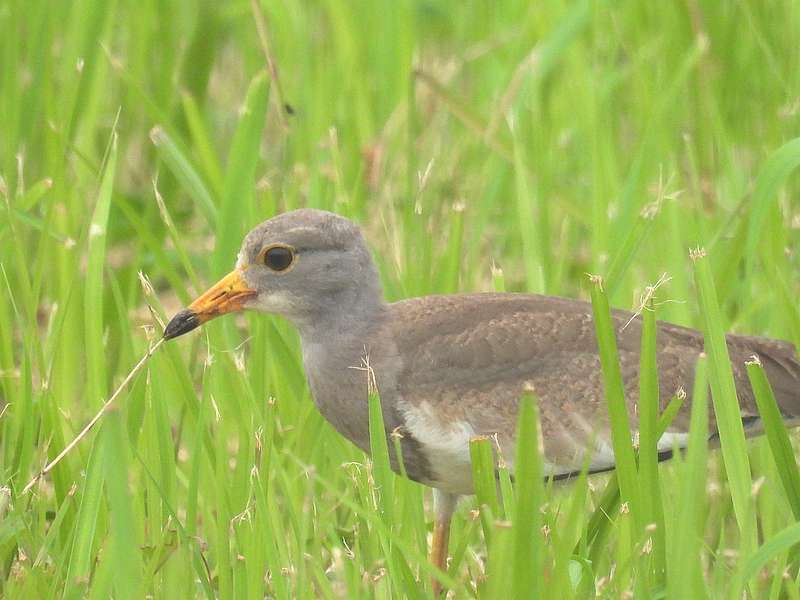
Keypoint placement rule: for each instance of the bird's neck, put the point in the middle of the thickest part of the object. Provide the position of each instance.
(335, 356)
(347, 325)
(344, 314)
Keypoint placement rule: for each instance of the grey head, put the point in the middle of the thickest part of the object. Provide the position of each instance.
(310, 266)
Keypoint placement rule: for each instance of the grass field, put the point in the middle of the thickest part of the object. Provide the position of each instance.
(488, 145)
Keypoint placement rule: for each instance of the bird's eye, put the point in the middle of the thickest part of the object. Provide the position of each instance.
(279, 258)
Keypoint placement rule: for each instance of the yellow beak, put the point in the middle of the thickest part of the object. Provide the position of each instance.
(227, 295)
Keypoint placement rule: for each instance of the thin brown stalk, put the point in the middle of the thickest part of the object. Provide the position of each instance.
(263, 38)
(88, 427)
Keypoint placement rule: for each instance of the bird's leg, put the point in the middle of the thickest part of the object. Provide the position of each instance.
(444, 504)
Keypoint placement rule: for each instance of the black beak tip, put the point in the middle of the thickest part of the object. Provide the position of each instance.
(181, 323)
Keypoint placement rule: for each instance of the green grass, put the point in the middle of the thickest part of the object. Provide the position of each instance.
(498, 145)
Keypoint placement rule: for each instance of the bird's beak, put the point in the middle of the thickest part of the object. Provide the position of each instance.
(227, 295)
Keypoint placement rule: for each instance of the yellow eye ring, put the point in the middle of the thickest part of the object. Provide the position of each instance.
(277, 257)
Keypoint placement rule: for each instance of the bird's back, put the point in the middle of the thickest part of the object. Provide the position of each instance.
(468, 358)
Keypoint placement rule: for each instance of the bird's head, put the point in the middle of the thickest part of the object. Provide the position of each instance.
(300, 264)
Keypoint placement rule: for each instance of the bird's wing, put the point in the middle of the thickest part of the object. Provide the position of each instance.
(468, 359)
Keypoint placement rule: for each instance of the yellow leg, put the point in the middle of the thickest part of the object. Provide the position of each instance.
(444, 504)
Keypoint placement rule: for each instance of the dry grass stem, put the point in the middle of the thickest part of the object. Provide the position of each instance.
(88, 427)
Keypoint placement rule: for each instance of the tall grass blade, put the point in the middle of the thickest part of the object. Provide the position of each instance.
(240, 173)
(125, 541)
(181, 166)
(774, 546)
(95, 291)
(83, 535)
(725, 401)
(528, 542)
(777, 436)
(379, 449)
(652, 509)
(773, 174)
(615, 398)
(682, 568)
(484, 481)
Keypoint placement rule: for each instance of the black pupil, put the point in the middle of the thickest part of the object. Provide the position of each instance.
(278, 258)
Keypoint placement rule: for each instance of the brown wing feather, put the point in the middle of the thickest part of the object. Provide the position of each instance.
(471, 355)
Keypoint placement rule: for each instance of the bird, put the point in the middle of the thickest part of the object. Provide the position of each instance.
(449, 368)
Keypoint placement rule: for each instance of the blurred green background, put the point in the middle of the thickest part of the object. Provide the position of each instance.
(487, 145)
